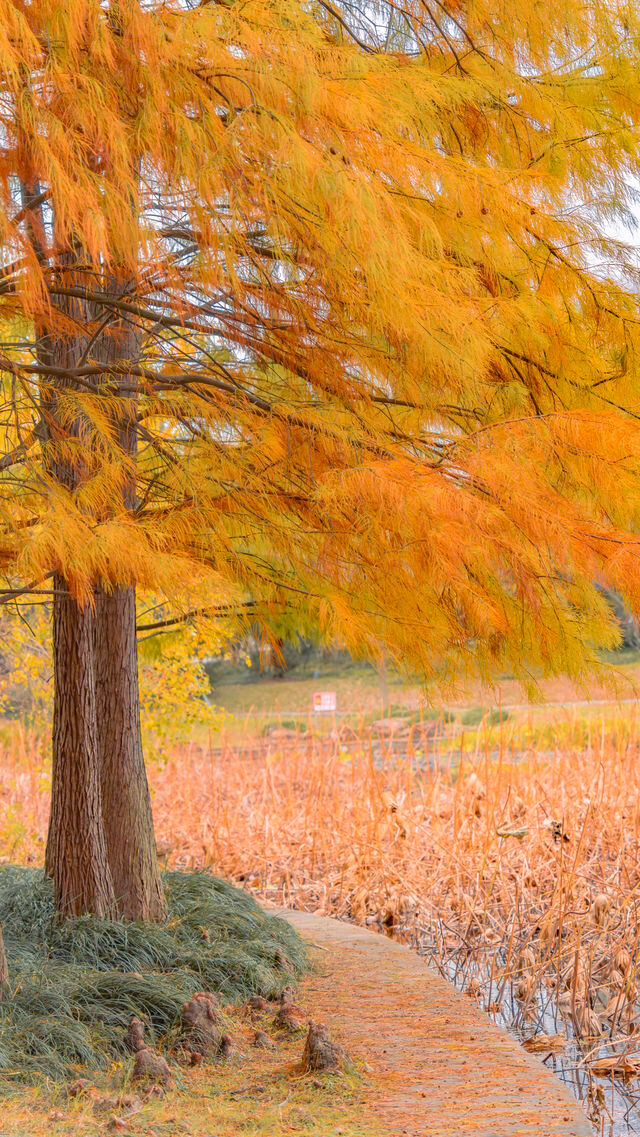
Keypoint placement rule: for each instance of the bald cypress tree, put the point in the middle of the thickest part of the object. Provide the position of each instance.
(310, 309)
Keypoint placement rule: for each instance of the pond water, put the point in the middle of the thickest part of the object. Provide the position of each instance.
(612, 1102)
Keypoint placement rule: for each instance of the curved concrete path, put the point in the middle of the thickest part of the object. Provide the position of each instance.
(439, 1066)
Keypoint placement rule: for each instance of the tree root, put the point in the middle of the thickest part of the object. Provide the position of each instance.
(320, 1053)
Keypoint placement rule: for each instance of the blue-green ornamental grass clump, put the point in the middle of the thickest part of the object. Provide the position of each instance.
(75, 983)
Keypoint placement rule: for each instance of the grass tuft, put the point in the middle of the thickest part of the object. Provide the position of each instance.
(76, 983)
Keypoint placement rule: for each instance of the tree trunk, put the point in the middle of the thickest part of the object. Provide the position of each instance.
(76, 855)
(100, 853)
(126, 803)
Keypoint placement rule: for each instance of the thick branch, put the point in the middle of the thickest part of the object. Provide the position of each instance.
(213, 611)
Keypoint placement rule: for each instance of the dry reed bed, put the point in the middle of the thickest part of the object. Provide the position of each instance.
(517, 871)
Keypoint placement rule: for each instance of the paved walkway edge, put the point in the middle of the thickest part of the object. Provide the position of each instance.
(439, 1066)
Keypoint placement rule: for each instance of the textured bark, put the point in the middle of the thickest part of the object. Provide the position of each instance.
(126, 804)
(320, 1053)
(76, 854)
(134, 1038)
(151, 1067)
(100, 845)
(201, 1028)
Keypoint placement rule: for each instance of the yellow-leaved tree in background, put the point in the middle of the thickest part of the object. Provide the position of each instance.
(310, 311)
(174, 688)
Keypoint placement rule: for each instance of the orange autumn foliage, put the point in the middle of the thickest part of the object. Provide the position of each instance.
(381, 354)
